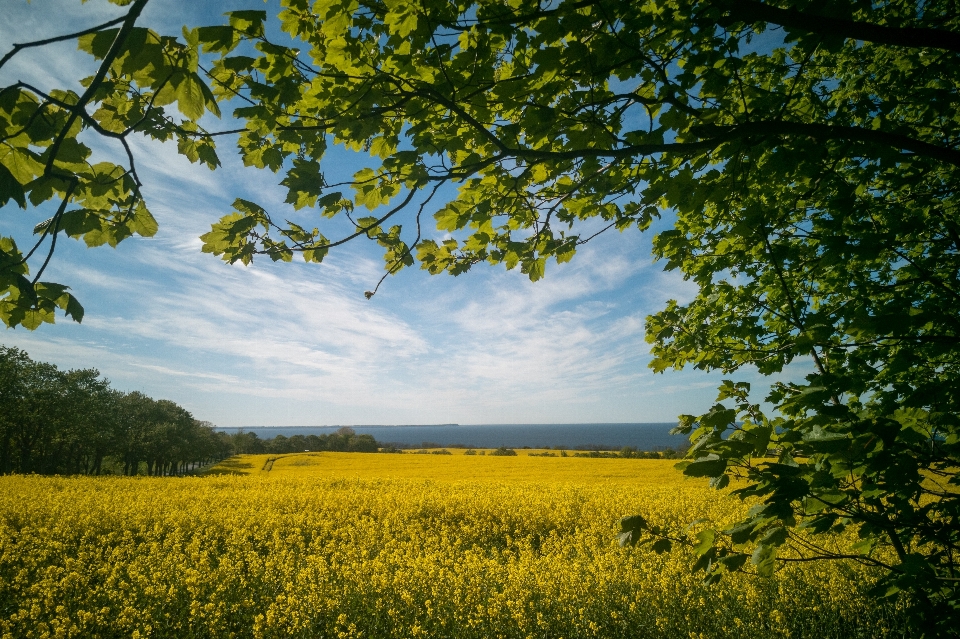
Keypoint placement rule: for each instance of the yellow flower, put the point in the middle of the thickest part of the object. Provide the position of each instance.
(393, 546)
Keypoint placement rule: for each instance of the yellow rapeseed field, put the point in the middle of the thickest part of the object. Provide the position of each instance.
(364, 545)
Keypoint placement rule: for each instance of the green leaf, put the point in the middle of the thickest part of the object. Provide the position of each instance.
(217, 39)
(143, 222)
(11, 189)
(734, 562)
(764, 558)
(191, 96)
(706, 468)
(249, 21)
(705, 539)
(534, 268)
(73, 309)
(305, 183)
(720, 482)
(661, 546)
(97, 44)
(632, 529)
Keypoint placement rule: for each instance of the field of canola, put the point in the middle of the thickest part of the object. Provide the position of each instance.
(363, 545)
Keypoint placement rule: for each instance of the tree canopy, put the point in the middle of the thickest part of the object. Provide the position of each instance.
(805, 155)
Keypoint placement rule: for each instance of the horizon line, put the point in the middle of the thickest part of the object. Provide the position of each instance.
(452, 424)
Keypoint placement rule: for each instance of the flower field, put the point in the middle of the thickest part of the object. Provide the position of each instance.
(366, 545)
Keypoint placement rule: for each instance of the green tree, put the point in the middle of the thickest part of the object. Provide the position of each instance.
(36, 424)
(805, 154)
(70, 422)
(133, 414)
(13, 364)
(242, 443)
(81, 430)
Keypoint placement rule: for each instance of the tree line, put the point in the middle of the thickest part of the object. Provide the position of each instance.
(344, 440)
(55, 422)
(72, 422)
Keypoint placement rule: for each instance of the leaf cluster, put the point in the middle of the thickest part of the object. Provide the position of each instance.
(43, 156)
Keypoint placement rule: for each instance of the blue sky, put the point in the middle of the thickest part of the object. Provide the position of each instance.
(296, 344)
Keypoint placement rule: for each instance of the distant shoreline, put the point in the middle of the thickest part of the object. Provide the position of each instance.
(642, 435)
(348, 426)
(452, 425)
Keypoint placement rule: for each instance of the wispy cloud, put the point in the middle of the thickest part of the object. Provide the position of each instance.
(296, 343)
(489, 346)
(164, 370)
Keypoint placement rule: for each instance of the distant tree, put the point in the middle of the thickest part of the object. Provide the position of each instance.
(297, 443)
(211, 445)
(35, 426)
(83, 428)
(364, 443)
(134, 418)
(314, 442)
(247, 443)
(277, 444)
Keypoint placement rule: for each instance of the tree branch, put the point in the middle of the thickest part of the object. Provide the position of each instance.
(723, 134)
(128, 21)
(918, 37)
(833, 132)
(398, 263)
(17, 48)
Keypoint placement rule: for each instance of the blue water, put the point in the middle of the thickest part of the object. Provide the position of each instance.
(642, 436)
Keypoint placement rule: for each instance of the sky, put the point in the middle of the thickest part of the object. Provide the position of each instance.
(297, 344)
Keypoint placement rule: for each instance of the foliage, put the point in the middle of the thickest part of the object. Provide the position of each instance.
(303, 551)
(43, 156)
(805, 153)
(72, 422)
(344, 440)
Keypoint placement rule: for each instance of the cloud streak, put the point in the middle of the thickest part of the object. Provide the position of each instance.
(279, 344)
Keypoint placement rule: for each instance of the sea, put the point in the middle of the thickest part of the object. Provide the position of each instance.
(643, 436)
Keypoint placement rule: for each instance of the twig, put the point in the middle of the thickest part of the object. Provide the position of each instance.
(17, 48)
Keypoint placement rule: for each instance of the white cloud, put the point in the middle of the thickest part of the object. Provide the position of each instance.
(486, 347)
(295, 343)
(170, 371)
